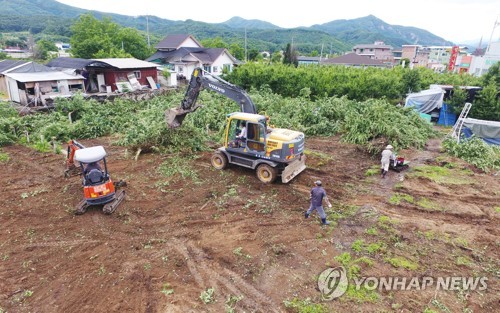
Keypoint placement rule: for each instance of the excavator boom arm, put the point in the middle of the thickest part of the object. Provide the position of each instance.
(202, 79)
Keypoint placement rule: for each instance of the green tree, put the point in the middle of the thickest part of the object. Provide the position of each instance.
(94, 38)
(216, 42)
(486, 106)
(410, 81)
(133, 43)
(237, 51)
(493, 73)
(253, 55)
(276, 57)
(3, 55)
(42, 48)
(290, 56)
(457, 99)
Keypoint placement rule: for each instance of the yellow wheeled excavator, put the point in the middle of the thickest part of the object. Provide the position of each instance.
(272, 152)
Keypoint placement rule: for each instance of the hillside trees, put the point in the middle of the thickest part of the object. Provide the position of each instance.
(93, 38)
(290, 56)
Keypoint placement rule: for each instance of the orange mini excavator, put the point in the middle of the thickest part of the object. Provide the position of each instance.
(98, 188)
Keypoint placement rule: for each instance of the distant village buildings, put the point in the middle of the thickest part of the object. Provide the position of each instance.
(436, 58)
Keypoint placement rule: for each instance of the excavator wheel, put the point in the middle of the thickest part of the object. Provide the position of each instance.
(266, 173)
(219, 160)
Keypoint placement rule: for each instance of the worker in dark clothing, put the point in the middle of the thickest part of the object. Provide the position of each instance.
(316, 197)
(92, 166)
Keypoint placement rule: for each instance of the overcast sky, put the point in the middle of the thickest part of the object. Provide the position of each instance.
(454, 20)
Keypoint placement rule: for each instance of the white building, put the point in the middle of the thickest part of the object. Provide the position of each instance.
(481, 64)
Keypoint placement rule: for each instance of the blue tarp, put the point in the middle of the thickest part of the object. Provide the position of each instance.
(491, 141)
(425, 101)
(446, 116)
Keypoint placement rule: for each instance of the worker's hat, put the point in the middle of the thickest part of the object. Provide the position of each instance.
(318, 182)
(389, 147)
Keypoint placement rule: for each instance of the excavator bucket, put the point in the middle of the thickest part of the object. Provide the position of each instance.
(174, 117)
(72, 170)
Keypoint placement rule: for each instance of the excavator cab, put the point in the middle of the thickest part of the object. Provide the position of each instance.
(98, 188)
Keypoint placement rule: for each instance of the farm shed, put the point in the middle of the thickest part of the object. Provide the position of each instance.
(79, 66)
(124, 74)
(5, 66)
(102, 75)
(34, 88)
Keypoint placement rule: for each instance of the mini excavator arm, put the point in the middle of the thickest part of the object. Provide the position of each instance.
(71, 168)
(202, 79)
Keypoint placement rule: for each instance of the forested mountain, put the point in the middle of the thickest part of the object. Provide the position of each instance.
(370, 28)
(51, 18)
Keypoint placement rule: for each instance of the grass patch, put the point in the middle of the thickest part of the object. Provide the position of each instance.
(358, 245)
(375, 247)
(178, 166)
(373, 170)
(4, 157)
(398, 262)
(497, 209)
(398, 197)
(304, 306)
(442, 175)
(318, 154)
(463, 260)
(429, 205)
(207, 296)
(360, 295)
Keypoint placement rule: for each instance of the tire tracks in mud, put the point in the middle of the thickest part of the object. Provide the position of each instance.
(209, 273)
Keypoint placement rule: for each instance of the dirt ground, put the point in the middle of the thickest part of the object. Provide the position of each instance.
(175, 237)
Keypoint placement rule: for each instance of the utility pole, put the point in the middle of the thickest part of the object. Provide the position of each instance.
(147, 30)
(492, 31)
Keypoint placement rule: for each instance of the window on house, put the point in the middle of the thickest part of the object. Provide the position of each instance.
(226, 68)
(137, 74)
(180, 69)
(216, 69)
(207, 68)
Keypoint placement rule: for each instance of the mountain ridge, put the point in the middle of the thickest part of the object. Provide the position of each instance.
(338, 35)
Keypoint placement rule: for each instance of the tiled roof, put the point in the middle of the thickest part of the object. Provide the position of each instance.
(205, 55)
(174, 41)
(65, 62)
(31, 67)
(8, 64)
(124, 63)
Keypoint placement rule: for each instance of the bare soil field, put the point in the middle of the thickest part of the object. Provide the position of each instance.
(189, 229)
